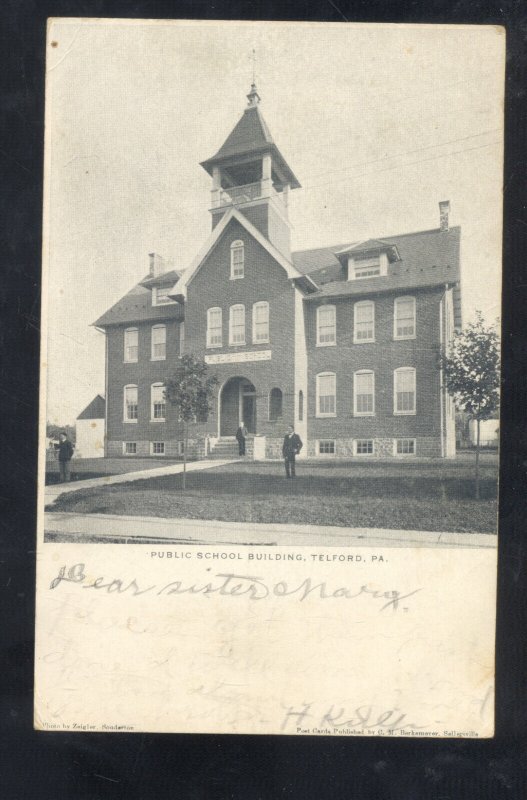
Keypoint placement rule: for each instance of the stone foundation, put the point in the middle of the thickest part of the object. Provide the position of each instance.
(383, 447)
(273, 448)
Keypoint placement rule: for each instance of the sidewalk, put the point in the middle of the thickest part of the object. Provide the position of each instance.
(53, 491)
(73, 527)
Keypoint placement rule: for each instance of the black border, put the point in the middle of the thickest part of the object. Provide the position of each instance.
(92, 766)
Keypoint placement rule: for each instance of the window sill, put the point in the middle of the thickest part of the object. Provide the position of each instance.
(261, 341)
(158, 358)
(363, 414)
(237, 277)
(128, 361)
(404, 338)
(214, 346)
(158, 420)
(325, 416)
(405, 413)
(364, 341)
(237, 344)
(326, 344)
(130, 421)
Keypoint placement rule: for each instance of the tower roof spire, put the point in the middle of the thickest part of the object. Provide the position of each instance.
(253, 97)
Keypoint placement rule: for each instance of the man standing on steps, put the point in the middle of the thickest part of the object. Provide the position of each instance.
(241, 435)
(290, 449)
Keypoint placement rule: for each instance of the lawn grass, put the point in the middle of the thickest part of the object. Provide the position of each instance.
(401, 495)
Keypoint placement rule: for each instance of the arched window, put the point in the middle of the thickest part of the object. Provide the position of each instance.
(275, 404)
(404, 318)
(260, 322)
(364, 393)
(237, 324)
(130, 403)
(157, 402)
(326, 326)
(300, 405)
(131, 342)
(326, 391)
(404, 390)
(214, 327)
(159, 343)
(364, 322)
(237, 259)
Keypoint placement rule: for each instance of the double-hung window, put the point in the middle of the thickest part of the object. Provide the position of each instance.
(214, 327)
(404, 390)
(367, 266)
(159, 342)
(404, 318)
(364, 393)
(260, 322)
(237, 324)
(237, 259)
(326, 391)
(158, 402)
(130, 404)
(326, 326)
(364, 322)
(131, 345)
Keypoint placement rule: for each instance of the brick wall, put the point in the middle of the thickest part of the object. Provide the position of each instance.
(382, 356)
(264, 279)
(143, 374)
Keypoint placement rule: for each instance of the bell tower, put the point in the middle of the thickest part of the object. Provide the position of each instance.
(249, 173)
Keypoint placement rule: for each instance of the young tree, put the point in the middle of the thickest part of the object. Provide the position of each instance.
(189, 390)
(471, 372)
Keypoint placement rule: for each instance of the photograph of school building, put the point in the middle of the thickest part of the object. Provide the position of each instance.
(342, 341)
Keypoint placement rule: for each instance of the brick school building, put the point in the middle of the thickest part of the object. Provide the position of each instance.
(342, 341)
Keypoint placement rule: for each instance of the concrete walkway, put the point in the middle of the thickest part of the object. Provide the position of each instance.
(55, 490)
(73, 527)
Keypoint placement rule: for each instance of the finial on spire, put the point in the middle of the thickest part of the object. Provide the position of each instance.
(253, 96)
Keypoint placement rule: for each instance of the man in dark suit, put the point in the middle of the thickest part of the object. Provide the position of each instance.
(241, 435)
(290, 449)
(65, 453)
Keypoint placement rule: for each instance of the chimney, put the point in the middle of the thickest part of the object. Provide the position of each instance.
(444, 211)
(157, 265)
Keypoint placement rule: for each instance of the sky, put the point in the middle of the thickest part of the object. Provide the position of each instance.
(378, 122)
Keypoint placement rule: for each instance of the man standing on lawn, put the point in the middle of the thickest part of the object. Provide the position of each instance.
(65, 449)
(290, 449)
(241, 435)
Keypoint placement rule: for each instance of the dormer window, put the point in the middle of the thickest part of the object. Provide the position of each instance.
(367, 266)
(368, 259)
(237, 259)
(160, 296)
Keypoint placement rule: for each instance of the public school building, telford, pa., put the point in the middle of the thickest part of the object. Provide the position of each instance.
(342, 342)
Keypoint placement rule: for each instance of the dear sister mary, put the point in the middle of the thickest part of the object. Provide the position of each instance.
(231, 584)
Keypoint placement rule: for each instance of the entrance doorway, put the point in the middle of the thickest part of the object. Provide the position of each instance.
(237, 404)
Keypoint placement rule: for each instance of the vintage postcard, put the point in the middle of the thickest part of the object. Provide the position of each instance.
(270, 378)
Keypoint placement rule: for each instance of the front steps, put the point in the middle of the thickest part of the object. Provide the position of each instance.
(226, 447)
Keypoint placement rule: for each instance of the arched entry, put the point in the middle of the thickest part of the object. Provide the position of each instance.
(237, 404)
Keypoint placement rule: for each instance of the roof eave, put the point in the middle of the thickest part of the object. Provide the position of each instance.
(217, 160)
(387, 289)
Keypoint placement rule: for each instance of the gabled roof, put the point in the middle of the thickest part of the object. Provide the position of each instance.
(180, 288)
(249, 136)
(427, 259)
(136, 306)
(94, 410)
